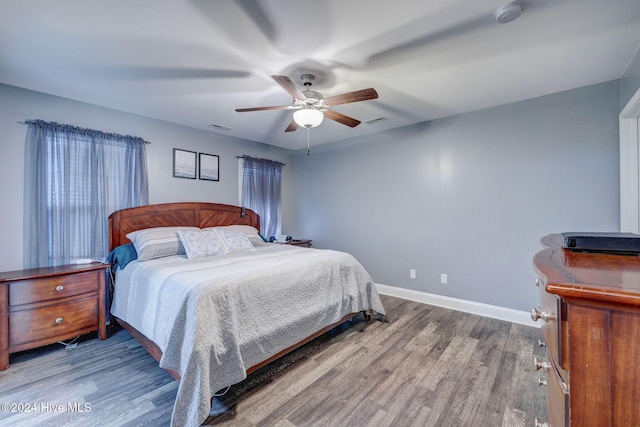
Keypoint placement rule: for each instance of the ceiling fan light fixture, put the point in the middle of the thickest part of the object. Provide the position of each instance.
(308, 117)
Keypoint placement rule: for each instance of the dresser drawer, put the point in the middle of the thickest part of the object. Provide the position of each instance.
(557, 399)
(53, 288)
(555, 327)
(53, 322)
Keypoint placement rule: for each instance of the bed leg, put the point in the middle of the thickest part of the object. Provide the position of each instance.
(367, 315)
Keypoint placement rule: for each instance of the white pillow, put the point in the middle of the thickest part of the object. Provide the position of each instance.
(235, 241)
(250, 231)
(201, 243)
(158, 242)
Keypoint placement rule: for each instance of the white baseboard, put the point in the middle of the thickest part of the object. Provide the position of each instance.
(481, 309)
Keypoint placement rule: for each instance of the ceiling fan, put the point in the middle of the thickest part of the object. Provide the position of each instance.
(311, 107)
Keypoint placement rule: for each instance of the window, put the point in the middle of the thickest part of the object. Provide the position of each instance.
(261, 191)
(75, 178)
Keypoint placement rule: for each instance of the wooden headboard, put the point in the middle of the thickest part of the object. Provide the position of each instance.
(197, 214)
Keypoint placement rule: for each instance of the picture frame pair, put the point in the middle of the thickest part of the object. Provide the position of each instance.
(189, 164)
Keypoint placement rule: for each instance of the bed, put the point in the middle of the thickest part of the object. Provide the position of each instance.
(224, 308)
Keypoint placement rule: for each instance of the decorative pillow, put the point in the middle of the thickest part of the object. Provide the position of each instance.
(201, 243)
(235, 241)
(122, 255)
(251, 232)
(158, 242)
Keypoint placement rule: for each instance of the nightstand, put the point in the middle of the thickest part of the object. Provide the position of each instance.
(300, 242)
(304, 243)
(41, 306)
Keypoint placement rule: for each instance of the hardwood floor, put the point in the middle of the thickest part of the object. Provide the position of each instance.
(427, 366)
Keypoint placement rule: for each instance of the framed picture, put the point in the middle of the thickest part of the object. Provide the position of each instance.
(209, 167)
(184, 164)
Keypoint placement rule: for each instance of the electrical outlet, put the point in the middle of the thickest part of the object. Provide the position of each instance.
(412, 274)
(443, 279)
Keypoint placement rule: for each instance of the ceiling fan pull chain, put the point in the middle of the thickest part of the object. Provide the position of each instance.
(308, 149)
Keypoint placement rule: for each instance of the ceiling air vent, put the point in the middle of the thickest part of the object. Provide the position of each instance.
(376, 120)
(219, 127)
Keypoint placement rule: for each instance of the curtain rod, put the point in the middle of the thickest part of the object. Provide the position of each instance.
(26, 122)
(268, 160)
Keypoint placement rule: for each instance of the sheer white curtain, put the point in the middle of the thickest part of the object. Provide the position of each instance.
(261, 192)
(75, 178)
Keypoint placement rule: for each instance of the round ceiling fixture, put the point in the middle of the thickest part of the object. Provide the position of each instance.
(509, 11)
(308, 117)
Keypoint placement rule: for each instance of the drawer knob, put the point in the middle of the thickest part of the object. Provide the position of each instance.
(537, 314)
(542, 381)
(59, 320)
(541, 343)
(540, 364)
(59, 288)
(538, 423)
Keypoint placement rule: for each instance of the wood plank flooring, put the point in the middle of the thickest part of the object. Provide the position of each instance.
(427, 366)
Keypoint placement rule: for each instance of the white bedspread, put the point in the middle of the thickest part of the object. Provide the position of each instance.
(215, 317)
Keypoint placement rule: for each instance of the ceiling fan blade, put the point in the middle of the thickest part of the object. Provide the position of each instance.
(292, 126)
(346, 98)
(289, 86)
(341, 118)
(275, 107)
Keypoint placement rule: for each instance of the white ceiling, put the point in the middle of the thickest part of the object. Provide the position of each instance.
(194, 62)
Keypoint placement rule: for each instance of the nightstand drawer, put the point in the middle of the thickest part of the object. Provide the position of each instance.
(30, 291)
(58, 320)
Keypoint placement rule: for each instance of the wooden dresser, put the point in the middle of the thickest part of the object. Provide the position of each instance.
(41, 306)
(590, 309)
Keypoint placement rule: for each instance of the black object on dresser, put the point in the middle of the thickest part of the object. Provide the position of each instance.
(623, 243)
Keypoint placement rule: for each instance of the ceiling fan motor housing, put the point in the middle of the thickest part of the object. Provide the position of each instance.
(313, 98)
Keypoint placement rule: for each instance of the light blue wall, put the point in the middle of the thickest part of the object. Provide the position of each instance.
(19, 104)
(469, 196)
